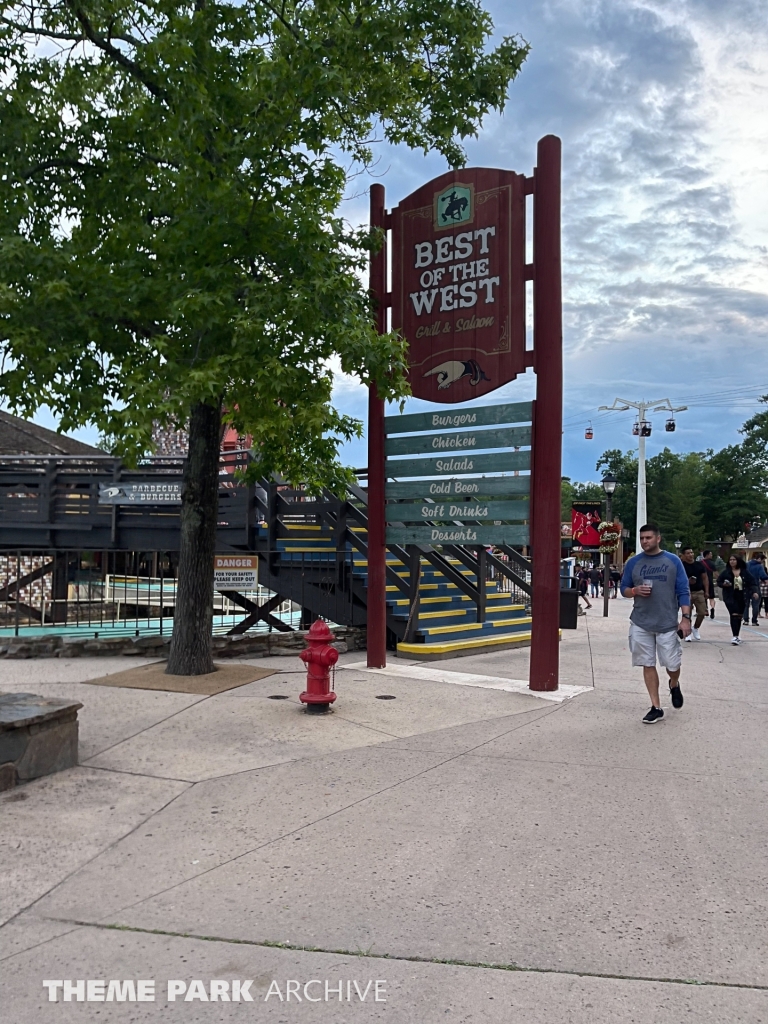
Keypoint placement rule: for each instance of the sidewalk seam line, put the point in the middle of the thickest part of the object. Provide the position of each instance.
(36, 945)
(325, 817)
(148, 727)
(591, 656)
(106, 849)
(603, 767)
(449, 962)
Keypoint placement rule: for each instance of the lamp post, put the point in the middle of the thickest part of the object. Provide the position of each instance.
(678, 545)
(609, 486)
(623, 405)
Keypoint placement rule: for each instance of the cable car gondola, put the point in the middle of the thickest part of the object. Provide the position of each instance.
(670, 425)
(641, 428)
(589, 432)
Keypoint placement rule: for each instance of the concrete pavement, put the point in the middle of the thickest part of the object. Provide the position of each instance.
(486, 855)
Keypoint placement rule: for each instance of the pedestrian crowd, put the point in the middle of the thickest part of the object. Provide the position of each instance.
(742, 586)
(590, 581)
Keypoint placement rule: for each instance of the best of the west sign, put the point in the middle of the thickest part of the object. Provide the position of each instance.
(458, 292)
(458, 297)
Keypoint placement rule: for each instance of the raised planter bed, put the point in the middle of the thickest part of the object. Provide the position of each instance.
(38, 736)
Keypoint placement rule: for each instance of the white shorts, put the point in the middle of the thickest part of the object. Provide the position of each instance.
(646, 647)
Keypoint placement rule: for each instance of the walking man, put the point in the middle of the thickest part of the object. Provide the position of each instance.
(709, 564)
(759, 575)
(615, 580)
(698, 583)
(595, 577)
(657, 582)
(582, 580)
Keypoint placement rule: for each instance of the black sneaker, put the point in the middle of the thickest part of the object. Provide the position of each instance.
(711, 613)
(677, 696)
(654, 715)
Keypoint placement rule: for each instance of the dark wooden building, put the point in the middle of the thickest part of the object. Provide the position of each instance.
(22, 437)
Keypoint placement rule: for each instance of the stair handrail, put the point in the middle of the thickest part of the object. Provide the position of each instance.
(340, 513)
(521, 560)
(465, 555)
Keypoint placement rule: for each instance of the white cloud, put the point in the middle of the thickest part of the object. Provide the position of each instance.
(663, 111)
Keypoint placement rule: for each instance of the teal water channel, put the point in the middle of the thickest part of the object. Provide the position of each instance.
(152, 627)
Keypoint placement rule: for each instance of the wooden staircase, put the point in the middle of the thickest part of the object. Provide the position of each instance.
(445, 624)
(435, 607)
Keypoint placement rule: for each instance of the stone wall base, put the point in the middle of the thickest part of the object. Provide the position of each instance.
(261, 645)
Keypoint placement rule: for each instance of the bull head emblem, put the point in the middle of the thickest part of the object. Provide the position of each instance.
(454, 369)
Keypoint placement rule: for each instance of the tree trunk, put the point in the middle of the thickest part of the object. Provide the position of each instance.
(190, 653)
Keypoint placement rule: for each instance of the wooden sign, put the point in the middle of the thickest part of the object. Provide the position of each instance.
(460, 487)
(449, 465)
(149, 493)
(458, 297)
(456, 510)
(447, 419)
(449, 511)
(464, 534)
(459, 441)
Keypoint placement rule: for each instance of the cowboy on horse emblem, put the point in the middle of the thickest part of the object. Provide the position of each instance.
(453, 206)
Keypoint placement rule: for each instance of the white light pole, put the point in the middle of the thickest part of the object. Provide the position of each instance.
(660, 405)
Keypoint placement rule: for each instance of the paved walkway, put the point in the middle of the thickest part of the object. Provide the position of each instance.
(488, 855)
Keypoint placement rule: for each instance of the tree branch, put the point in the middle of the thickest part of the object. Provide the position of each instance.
(117, 56)
(38, 30)
(282, 19)
(146, 331)
(46, 165)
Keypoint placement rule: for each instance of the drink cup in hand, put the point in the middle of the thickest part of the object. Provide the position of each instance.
(645, 588)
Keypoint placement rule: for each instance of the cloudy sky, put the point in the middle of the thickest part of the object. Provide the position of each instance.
(663, 112)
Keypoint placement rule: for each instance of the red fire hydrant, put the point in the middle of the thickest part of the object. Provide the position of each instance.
(319, 657)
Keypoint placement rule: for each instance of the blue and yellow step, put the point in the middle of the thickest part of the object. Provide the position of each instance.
(447, 625)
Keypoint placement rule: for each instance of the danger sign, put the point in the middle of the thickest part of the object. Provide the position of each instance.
(235, 572)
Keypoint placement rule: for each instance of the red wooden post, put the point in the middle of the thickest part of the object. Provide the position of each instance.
(548, 427)
(377, 552)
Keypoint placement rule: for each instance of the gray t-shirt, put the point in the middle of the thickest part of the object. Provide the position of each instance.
(657, 613)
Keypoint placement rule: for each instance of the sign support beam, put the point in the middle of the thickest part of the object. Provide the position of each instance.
(377, 552)
(548, 419)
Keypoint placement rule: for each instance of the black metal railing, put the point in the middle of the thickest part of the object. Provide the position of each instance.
(131, 593)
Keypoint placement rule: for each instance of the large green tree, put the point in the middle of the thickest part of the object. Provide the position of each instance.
(698, 497)
(170, 243)
(574, 490)
(623, 465)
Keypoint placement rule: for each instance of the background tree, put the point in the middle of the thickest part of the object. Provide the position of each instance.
(571, 491)
(675, 486)
(755, 432)
(171, 247)
(698, 497)
(623, 465)
(734, 491)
